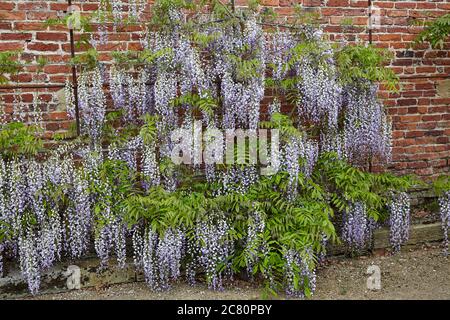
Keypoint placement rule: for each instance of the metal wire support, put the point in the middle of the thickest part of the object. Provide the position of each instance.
(370, 21)
(74, 77)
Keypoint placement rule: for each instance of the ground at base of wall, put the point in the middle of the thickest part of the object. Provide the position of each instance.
(420, 273)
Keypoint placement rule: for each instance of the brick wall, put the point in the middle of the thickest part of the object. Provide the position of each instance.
(421, 111)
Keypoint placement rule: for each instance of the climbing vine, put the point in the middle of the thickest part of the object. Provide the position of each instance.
(117, 182)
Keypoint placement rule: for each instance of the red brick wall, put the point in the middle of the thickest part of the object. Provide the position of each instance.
(421, 112)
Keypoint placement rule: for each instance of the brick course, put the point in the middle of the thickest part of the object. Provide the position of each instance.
(421, 111)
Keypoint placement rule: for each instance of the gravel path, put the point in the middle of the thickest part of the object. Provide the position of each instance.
(413, 274)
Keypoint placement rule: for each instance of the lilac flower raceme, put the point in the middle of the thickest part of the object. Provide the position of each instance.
(214, 249)
(320, 95)
(3, 186)
(103, 244)
(399, 220)
(278, 53)
(92, 103)
(111, 236)
(160, 257)
(137, 241)
(309, 152)
(150, 167)
(128, 153)
(290, 163)
(130, 92)
(367, 131)
(355, 230)
(79, 217)
(69, 99)
(238, 179)
(254, 241)
(29, 261)
(444, 205)
(136, 8)
(149, 260)
(117, 80)
(119, 234)
(297, 266)
(117, 10)
(168, 255)
(2, 246)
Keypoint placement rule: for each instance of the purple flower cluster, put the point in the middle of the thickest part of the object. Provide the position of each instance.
(129, 152)
(367, 132)
(69, 99)
(290, 163)
(78, 217)
(130, 92)
(168, 256)
(399, 219)
(238, 179)
(356, 231)
(309, 152)
(278, 53)
(320, 96)
(150, 167)
(136, 8)
(159, 256)
(29, 261)
(39, 224)
(92, 103)
(101, 38)
(214, 249)
(254, 242)
(2, 246)
(444, 205)
(299, 276)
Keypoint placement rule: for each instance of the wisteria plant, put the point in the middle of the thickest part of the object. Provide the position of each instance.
(116, 182)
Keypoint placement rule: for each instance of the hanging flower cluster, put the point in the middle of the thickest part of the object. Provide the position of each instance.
(121, 9)
(92, 103)
(444, 204)
(367, 131)
(303, 283)
(214, 249)
(399, 220)
(158, 256)
(255, 243)
(36, 226)
(320, 96)
(356, 230)
(130, 93)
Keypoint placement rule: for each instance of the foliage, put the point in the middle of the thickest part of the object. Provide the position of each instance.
(348, 184)
(358, 62)
(8, 64)
(88, 59)
(442, 185)
(17, 139)
(436, 32)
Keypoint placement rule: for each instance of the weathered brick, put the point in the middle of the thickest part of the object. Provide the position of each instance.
(7, 6)
(39, 46)
(16, 36)
(51, 36)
